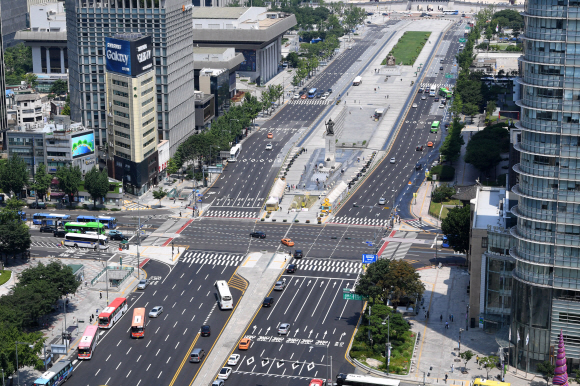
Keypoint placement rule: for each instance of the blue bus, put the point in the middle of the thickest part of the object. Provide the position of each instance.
(451, 12)
(57, 375)
(312, 93)
(49, 218)
(108, 222)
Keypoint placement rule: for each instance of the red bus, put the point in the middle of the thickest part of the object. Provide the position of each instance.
(112, 313)
(88, 342)
(138, 325)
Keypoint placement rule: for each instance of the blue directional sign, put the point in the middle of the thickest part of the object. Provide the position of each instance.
(368, 259)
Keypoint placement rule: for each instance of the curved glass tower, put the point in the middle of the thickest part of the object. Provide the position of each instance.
(546, 244)
(546, 240)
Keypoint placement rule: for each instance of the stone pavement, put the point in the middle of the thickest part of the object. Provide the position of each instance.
(261, 271)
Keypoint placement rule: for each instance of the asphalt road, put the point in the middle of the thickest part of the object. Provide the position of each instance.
(391, 179)
(243, 186)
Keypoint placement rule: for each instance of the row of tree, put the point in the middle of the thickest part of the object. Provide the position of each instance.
(451, 147)
(14, 177)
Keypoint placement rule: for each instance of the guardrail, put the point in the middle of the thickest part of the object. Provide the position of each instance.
(96, 278)
(130, 269)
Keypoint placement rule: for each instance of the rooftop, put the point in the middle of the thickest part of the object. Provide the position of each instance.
(218, 12)
(487, 207)
(210, 50)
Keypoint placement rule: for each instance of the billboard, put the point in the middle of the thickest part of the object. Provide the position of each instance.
(129, 57)
(249, 64)
(82, 144)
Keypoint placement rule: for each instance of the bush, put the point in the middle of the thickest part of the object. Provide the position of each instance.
(442, 193)
(445, 172)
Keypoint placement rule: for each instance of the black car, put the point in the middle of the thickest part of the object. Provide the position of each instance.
(47, 228)
(268, 302)
(291, 268)
(298, 254)
(441, 61)
(205, 330)
(436, 99)
(418, 166)
(420, 91)
(59, 233)
(330, 91)
(319, 95)
(259, 234)
(419, 148)
(37, 205)
(119, 236)
(302, 93)
(441, 68)
(443, 101)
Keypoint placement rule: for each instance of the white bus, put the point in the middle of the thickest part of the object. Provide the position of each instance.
(225, 299)
(80, 240)
(364, 380)
(357, 81)
(433, 91)
(235, 152)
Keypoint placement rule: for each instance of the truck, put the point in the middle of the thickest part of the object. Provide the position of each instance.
(379, 113)
(357, 81)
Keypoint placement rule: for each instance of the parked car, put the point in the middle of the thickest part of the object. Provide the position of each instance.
(37, 205)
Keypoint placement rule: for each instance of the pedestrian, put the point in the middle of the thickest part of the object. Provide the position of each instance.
(179, 214)
(452, 367)
(387, 97)
(447, 325)
(441, 317)
(452, 317)
(92, 316)
(477, 360)
(427, 314)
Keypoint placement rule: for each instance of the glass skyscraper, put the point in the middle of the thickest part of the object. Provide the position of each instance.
(169, 23)
(546, 247)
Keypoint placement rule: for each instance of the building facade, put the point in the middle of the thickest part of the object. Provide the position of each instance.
(546, 240)
(169, 24)
(3, 112)
(131, 117)
(14, 15)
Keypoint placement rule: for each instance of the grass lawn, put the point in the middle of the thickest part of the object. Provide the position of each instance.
(409, 47)
(5, 276)
(435, 207)
(400, 356)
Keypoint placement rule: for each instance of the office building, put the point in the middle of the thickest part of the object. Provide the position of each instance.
(14, 15)
(3, 112)
(131, 117)
(546, 245)
(168, 23)
(47, 38)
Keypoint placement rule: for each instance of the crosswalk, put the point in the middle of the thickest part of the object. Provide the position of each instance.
(437, 85)
(383, 222)
(310, 102)
(56, 243)
(231, 213)
(328, 266)
(418, 224)
(228, 259)
(396, 251)
(130, 205)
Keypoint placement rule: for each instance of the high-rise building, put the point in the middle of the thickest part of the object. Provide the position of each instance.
(546, 240)
(3, 116)
(169, 24)
(14, 18)
(132, 120)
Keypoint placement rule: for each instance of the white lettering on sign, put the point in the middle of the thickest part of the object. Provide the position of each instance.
(114, 46)
(117, 57)
(143, 56)
(142, 47)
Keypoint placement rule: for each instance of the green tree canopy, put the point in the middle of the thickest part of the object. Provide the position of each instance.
(13, 175)
(97, 184)
(456, 226)
(41, 181)
(159, 194)
(547, 369)
(69, 179)
(14, 233)
(485, 147)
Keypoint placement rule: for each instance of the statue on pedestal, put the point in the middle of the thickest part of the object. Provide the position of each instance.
(329, 127)
(391, 60)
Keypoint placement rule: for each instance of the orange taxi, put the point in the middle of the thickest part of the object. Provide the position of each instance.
(429, 144)
(244, 344)
(304, 96)
(288, 242)
(270, 135)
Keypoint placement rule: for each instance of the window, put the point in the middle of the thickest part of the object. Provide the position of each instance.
(117, 143)
(149, 111)
(120, 93)
(123, 155)
(55, 154)
(119, 83)
(119, 103)
(484, 242)
(123, 135)
(148, 142)
(145, 92)
(121, 124)
(147, 81)
(146, 102)
(121, 114)
(150, 120)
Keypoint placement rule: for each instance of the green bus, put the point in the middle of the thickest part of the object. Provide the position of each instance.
(435, 126)
(445, 92)
(84, 227)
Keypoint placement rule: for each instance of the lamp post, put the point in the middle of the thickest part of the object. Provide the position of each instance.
(460, 331)
(2, 377)
(17, 371)
(388, 353)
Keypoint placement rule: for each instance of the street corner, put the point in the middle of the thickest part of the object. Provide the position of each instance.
(279, 261)
(251, 260)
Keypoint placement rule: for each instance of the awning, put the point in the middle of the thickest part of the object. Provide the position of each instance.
(57, 194)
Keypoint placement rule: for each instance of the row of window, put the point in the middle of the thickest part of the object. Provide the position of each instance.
(148, 132)
(121, 114)
(120, 83)
(122, 155)
(145, 92)
(121, 144)
(120, 93)
(148, 111)
(119, 103)
(146, 81)
(150, 120)
(121, 134)
(122, 124)
(147, 101)
(149, 142)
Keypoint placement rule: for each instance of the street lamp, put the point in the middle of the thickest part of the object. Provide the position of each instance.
(17, 371)
(388, 351)
(460, 331)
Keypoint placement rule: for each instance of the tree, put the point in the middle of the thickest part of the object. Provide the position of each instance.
(387, 280)
(547, 369)
(159, 194)
(172, 166)
(577, 376)
(488, 363)
(456, 227)
(59, 87)
(293, 59)
(451, 147)
(466, 356)
(69, 179)
(14, 233)
(470, 110)
(457, 105)
(96, 184)
(485, 147)
(41, 181)
(31, 80)
(442, 193)
(13, 175)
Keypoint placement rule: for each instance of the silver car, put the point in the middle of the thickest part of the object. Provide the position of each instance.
(279, 286)
(143, 284)
(156, 311)
(382, 201)
(284, 329)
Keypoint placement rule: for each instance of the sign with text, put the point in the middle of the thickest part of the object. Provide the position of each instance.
(129, 55)
(368, 259)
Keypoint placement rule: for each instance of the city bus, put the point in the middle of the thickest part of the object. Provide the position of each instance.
(82, 240)
(451, 12)
(49, 218)
(138, 324)
(364, 380)
(84, 227)
(433, 91)
(235, 152)
(225, 299)
(108, 222)
(112, 313)
(88, 342)
(357, 81)
(57, 375)
(445, 92)
(435, 126)
(312, 92)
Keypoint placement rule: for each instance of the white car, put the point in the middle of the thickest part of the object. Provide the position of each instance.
(423, 97)
(393, 160)
(296, 96)
(225, 373)
(441, 106)
(234, 358)
(382, 201)
(143, 283)
(414, 105)
(284, 329)
(326, 94)
(156, 311)
(268, 146)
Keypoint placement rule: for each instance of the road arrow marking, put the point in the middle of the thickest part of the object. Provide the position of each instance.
(254, 329)
(310, 366)
(280, 363)
(324, 336)
(311, 331)
(265, 362)
(295, 364)
(250, 361)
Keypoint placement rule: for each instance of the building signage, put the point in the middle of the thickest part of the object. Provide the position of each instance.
(82, 144)
(131, 57)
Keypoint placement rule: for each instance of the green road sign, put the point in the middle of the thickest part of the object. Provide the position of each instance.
(448, 76)
(462, 40)
(347, 294)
